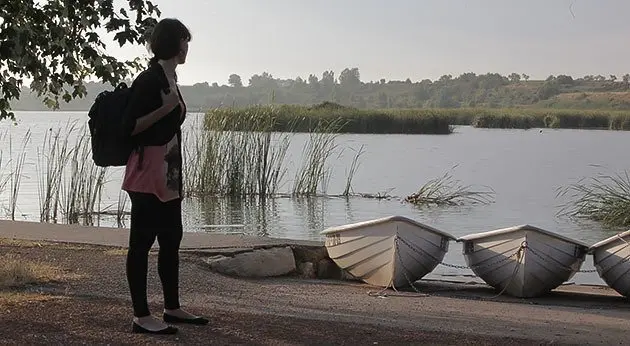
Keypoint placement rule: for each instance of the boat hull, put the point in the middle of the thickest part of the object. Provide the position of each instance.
(611, 258)
(523, 261)
(393, 251)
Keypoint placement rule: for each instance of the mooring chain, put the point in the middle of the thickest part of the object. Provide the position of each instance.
(423, 252)
(519, 256)
(522, 249)
(569, 269)
(381, 293)
(405, 270)
(483, 265)
(416, 249)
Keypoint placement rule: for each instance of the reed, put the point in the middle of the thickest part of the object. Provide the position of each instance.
(123, 198)
(235, 163)
(305, 119)
(4, 177)
(83, 181)
(16, 175)
(313, 173)
(353, 169)
(525, 118)
(70, 184)
(446, 191)
(51, 160)
(243, 155)
(427, 120)
(604, 198)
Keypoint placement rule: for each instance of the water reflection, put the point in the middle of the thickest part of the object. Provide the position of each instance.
(257, 216)
(524, 168)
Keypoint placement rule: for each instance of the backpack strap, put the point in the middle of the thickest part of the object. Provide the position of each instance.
(156, 69)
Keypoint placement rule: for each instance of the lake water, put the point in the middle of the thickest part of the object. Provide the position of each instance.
(523, 167)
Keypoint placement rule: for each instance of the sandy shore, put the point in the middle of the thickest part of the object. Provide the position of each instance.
(90, 304)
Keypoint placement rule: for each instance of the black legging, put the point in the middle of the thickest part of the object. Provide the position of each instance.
(151, 218)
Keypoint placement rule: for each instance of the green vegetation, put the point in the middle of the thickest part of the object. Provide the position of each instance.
(56, 45)
(605, 199)
(17, 167)
(525, 118)
(70, 184)
(251, 161)
(289, 118)
(469, 90)
(238, 164)
(329, 117)
(447, 191)
(4, 178)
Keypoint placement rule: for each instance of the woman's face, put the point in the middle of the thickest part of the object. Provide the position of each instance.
(183, 52)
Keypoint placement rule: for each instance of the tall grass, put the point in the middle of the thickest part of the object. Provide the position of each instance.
(445, 191)
(70, 184)
(16, 175)
(353, 169)
(604, 198)
(4, 177)
(293, 118)
(243, 155)
(51, 159)
(123, 198)
(428, 120)
(83, 181)
(525, 118)
(219, 161)
(313, 174)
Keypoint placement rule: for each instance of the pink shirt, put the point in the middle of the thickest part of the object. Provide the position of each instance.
(159, 174)
(161, 169)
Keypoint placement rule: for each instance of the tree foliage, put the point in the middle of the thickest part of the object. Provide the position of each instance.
(55, 45)
(490, 90)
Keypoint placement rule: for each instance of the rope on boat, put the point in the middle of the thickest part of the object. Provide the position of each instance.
(382, 293)
(519, 257)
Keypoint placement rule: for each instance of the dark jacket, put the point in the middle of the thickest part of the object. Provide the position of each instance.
(145, 98)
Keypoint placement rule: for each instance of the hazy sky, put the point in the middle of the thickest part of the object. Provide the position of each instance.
(399, 39)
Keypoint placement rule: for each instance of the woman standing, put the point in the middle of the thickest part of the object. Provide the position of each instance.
(153, 178)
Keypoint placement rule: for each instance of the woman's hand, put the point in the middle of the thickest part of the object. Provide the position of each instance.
(170, 100)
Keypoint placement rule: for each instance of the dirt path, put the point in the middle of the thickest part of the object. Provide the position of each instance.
(92, 306)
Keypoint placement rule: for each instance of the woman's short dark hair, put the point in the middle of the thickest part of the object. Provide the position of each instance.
(166, 38)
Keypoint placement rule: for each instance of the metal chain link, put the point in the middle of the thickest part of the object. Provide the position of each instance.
(479, 266)
(405, 270)
(569, 269)
(519, 252)
(507, 258)
(423, 252)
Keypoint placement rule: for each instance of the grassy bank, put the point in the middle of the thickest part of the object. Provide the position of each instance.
(291, 118)
(525, 118)
(284, 118)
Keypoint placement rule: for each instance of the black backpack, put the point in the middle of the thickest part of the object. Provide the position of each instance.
(111, 142)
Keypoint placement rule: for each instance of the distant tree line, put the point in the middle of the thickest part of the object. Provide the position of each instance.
(491, 90)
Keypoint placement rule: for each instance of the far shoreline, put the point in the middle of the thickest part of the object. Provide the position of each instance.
(408, 121)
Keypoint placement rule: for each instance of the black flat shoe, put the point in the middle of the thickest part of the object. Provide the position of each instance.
(174, 319)
(136, 328)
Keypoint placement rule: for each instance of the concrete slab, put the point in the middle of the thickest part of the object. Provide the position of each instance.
(119, 237)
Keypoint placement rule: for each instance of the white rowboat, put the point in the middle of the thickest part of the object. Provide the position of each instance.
(523, 261)
(611, 258)
(389, 252)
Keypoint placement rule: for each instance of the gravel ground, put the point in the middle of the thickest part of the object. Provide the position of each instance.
(92, 306)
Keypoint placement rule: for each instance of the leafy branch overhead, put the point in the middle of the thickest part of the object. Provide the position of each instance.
(55, 45)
